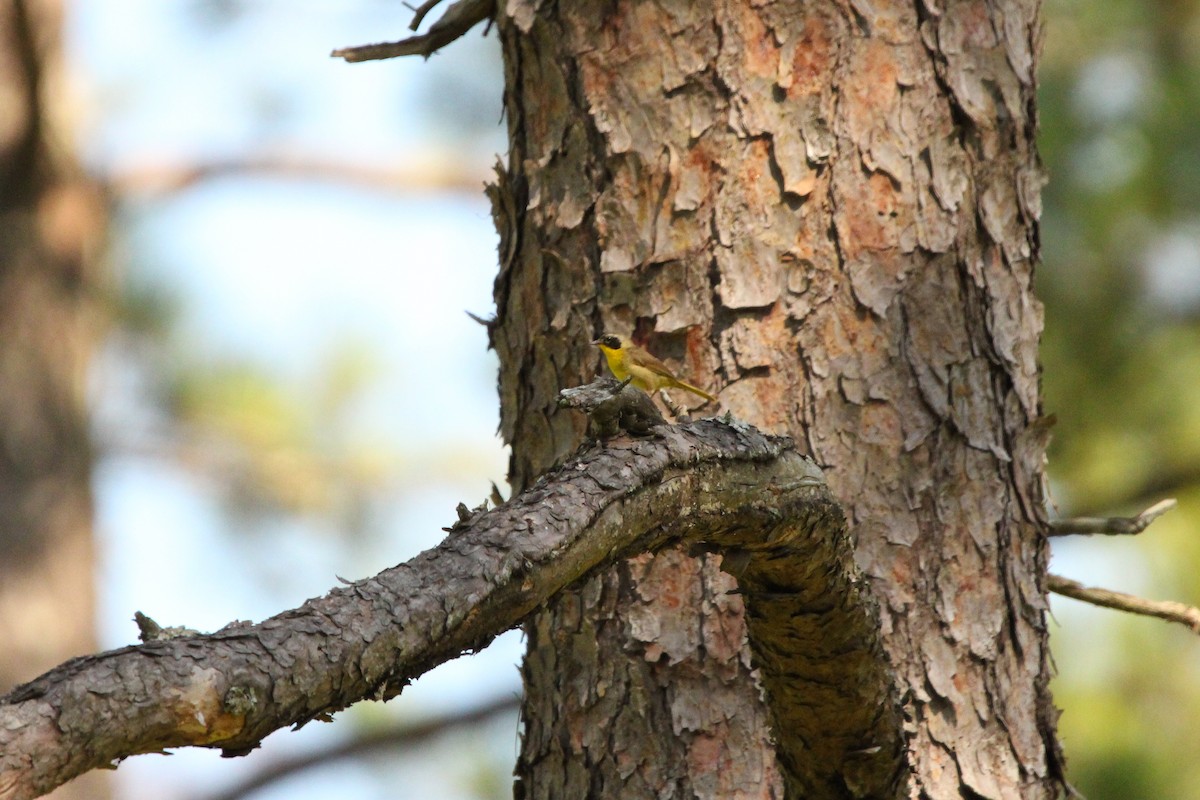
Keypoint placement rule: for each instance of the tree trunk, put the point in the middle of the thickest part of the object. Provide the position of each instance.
(50, 215)
(827, 214)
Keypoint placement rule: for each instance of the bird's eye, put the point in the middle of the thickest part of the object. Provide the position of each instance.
(612, 342)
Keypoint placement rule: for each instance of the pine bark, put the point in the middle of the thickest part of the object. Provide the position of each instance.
(826, 213)
(715, 485)
(50, 215)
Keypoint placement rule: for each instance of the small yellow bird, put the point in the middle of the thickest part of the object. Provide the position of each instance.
(626, 359)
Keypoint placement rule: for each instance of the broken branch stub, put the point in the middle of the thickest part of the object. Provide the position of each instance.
(613, 406)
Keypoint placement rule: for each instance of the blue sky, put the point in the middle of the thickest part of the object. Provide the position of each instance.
(279, 271)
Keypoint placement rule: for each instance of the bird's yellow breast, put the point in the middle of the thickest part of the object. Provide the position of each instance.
(622, 367)
(617, 363)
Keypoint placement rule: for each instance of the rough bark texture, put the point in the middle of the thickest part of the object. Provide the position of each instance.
(827, 211)
(50, 220)
(717, 485)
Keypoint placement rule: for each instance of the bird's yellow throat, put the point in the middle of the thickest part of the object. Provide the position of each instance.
(628, 361)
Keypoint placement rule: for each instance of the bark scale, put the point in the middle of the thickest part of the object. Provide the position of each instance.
(828, 212)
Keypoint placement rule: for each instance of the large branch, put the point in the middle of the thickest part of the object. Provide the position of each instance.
(717, 485)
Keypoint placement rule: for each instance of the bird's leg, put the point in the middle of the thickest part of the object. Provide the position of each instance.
(678, 413)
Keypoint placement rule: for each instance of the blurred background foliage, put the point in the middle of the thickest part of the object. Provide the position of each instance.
(1120, 112)
(292, 391)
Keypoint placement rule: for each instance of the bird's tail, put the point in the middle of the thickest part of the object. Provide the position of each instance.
(697, 390)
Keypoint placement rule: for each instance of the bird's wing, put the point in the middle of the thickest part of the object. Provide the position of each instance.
(643, 358)
(651, 364)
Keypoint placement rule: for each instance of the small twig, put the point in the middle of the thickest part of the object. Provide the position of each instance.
(486, 322)
(458, 19)
(1163, 609)
(1072, 792)
(151, 631)
(1112, 526)
(419, 13)
(620, 387)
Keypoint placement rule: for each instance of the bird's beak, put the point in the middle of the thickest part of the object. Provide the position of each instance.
(596, 341)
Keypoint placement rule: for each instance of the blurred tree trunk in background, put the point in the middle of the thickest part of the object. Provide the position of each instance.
(827, 213)
(51, 219)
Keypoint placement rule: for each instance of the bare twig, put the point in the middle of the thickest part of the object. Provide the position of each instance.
(432, 173)
(1112, 526)
(1163, 609)
(458, 19)
(373, 741)
(151, 631)
(419, 13)
(486, 322)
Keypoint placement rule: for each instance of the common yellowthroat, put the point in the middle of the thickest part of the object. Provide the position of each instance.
(626, 359)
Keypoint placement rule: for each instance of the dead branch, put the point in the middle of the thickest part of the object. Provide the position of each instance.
(458, 19)
(419, 13)
(720, 486)
(1112, 526)
(1120, 526)
(1162, 609)
(432, 174)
